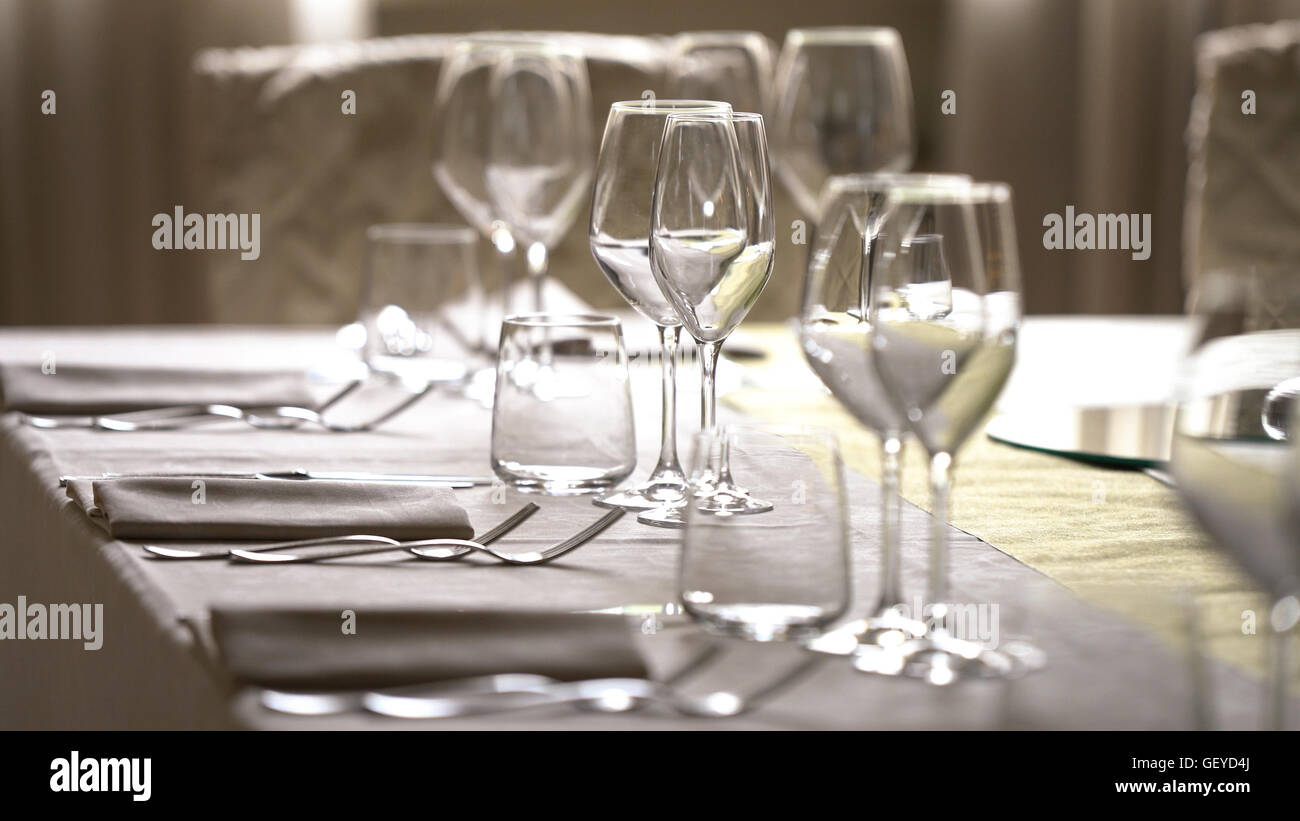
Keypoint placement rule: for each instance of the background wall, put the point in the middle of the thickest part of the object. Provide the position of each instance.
(1080, 102)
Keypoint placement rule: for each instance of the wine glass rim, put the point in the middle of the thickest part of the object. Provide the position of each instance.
(657, 106)
(492, 42)
(886, 180)
(546, 319)
(974, 193)
(843, 35)
(424, 233)
(719, 36)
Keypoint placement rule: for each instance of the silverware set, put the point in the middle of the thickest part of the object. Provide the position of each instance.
(184, 417)
(512, 692)
(433, 550)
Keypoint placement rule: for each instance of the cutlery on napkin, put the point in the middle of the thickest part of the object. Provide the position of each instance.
(83, 389)
(238, 509)
(307, 649)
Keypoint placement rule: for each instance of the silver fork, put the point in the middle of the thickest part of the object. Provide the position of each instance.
(270, 417)
(440, 550)
(507, 525)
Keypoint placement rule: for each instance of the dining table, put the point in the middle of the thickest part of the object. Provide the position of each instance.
(1093, 565)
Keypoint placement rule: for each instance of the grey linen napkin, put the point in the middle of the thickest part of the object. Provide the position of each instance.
(277, 509)
(307, 649)
(83, 389)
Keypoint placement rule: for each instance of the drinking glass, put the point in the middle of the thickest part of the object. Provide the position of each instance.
(783, 575)
(712, 244)
(735, 66)
(562, 418)
(842, 105)
(421, 300)
(1235, 453)
(945, 311)
(835, 333)
(620, 243)
(539, 155)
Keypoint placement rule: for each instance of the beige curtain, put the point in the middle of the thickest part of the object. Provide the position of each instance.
(78, 188)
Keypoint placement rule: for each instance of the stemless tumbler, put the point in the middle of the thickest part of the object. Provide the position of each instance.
(784, 574)
(562, 416)
(421, 300)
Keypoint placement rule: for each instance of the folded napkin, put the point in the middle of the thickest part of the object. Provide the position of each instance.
(308, 649)
(83, 389)
(277, 509)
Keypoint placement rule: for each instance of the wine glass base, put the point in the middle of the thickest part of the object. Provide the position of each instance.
(938, 658)
(673, 516)
(646, 496)
(731, 501)
(887, 629)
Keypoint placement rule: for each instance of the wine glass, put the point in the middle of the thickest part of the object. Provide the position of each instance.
(842, 104)
(1235, 449)
(835, 333)
(735, 66)
(539, 156)
(738, 574)
(945, 310)
(712, 245)
(620, 242)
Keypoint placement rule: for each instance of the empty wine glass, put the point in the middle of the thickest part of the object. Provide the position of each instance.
(842, 105)
(835, 333)
(1233, 455)
(945, 311)
(620, 242)
(784, 575)
(539, 155)
(712, 245)
(735, 66)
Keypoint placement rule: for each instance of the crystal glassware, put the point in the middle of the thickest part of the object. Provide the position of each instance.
(945, 312)
(1236, 449)
(835, 334)
(421, 300)
(712, 245)
(540, 152)
(782, 575)
(735, 66)
(562, 415)
(620, 242)
(842, 105)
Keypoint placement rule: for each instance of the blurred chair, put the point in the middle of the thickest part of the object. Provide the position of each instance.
(1243, 183)
(272, 138)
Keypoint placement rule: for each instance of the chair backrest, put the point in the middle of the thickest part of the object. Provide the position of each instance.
(1243, 184)
(272, 138)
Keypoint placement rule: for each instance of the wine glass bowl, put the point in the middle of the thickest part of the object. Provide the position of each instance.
(539, 157)
(1234, 457)
(842, 104)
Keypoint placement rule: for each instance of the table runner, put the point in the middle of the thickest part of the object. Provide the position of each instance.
(154, 669)
(1103, 533)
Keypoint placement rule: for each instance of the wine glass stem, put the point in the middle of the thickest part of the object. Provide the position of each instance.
(940, 486)
(708, 386)
(538, 261)
(891, 575)
(1279, 670)
(668, 338)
